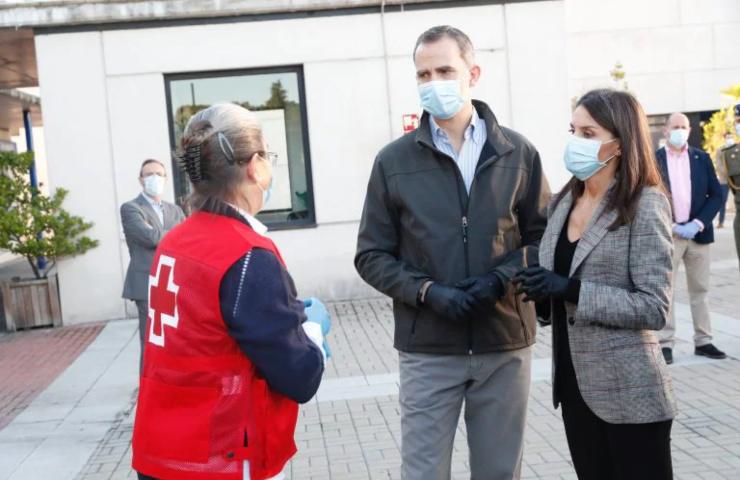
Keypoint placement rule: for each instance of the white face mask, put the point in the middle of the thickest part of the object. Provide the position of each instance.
(678, 137)
(154, 185)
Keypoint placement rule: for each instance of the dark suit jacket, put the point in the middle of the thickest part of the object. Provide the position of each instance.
(143, 231)
(706, 195)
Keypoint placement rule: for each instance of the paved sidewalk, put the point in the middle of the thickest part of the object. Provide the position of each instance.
(56, 435)
(31, 360)
(351, 430)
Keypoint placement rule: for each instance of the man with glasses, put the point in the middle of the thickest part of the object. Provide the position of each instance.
(145, 220)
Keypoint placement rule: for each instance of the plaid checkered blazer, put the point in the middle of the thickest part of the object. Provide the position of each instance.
(626, 287)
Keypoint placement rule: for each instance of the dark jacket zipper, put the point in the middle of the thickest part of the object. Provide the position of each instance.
(467, 271)
(464, 205)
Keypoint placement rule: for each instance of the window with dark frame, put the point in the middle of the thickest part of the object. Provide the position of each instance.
(277, 96)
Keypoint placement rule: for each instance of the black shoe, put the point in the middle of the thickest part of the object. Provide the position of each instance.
(710, 351)
(668, 355)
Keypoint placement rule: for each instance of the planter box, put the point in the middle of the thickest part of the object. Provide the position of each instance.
(31, 303)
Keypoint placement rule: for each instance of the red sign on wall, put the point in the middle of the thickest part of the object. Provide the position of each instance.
(410, 122)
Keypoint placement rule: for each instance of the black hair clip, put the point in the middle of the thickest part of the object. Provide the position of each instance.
(191, 162)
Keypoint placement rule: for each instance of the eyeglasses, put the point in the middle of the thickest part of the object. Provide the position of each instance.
(159, 174)
(271, 157)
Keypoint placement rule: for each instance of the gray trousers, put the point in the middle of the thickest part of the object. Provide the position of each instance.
(142, 306)
(697, 259)
(494, 388)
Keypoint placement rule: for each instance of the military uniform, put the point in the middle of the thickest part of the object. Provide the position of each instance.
(730, 158)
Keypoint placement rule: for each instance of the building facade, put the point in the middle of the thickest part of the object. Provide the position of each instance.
(333, 82)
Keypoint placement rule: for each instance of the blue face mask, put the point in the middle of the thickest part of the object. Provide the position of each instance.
(441, 98)
(266, 194)
(737, 129)
(582, 157)
(678, 137)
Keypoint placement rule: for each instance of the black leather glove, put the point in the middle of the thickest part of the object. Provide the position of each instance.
(538, 284)
(543, 310)
(486, 289)
(450, 303)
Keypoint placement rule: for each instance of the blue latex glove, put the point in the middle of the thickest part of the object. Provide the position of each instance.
(317, 313)
(687, 230)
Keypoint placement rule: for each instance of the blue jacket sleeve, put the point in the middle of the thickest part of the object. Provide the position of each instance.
(261, 311)
(714, 193)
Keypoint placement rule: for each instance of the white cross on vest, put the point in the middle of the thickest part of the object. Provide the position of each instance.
(162, 300)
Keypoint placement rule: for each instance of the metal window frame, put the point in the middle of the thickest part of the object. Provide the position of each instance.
(310, 221)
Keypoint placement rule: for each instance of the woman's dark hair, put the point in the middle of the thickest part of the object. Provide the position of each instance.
(622, 115)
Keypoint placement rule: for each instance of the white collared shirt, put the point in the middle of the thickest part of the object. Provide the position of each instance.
(257, 226)
(157, 207)
(467, 158)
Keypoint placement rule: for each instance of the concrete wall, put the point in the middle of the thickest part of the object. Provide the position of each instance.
(45, 13)
(105, 111)
(79, 155)
(678, 54)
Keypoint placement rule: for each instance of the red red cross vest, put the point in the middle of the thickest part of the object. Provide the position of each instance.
(202, 407)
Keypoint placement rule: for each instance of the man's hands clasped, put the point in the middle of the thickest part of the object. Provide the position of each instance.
(468, 298)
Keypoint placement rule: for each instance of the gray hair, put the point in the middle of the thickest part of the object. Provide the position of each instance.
(434, 34)
(216, 145)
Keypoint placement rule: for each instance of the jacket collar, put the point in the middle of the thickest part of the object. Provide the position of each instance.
(662, 152)
(148, 207)
(597, 228)
(496, 136)
(256, 225)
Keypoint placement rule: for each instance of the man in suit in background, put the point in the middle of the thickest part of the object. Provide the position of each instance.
(145, 220)
(689, 174)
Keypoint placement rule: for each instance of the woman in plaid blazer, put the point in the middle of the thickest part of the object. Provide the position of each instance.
(606, 271)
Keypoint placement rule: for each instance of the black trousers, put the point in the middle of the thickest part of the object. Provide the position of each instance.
(607, 451)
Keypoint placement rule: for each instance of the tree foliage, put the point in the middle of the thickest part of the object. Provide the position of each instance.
(35, 225)
(721, 123)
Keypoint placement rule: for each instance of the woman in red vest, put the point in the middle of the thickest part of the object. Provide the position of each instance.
(230, 351)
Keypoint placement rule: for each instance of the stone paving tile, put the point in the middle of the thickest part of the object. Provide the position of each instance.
(360, 438)
(359, 340)
(32, 359)
(112, 459)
